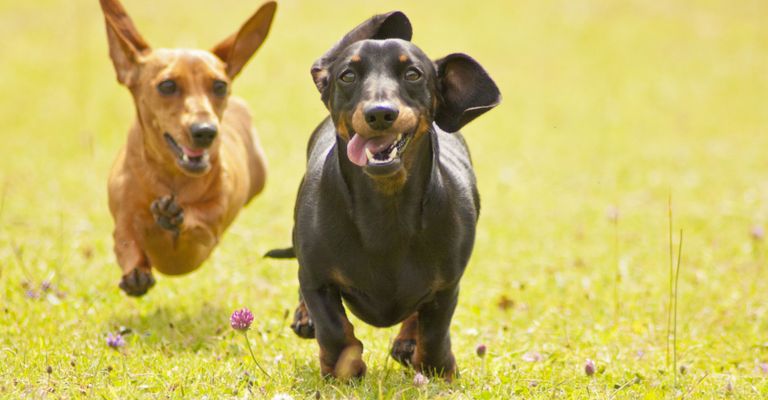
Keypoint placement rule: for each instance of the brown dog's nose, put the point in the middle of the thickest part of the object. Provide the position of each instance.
(203, 133)
(380, 116)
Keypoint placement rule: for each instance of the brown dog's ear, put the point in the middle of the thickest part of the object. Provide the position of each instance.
(126, 46)
(238, 48)
(466, 91)
(393, 25)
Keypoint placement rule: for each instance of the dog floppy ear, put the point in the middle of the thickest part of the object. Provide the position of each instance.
(393, 25)
(238, 48)
(126, 46)
(466, 91)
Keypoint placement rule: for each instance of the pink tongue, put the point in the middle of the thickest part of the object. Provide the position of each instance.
(357, 145)
(193, 153)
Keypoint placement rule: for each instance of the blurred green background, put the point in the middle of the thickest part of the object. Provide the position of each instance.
(609, 109)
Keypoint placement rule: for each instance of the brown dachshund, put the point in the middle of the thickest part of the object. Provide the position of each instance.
(192, 159)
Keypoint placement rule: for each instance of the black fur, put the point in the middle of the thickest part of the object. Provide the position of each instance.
(390, 253)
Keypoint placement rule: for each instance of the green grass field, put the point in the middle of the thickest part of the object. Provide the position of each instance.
(608, 107)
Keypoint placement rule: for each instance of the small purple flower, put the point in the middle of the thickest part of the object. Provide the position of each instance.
(763, 368)
(419, 380)
(241, 319)
(532, 356)
(729, 386)
(480, 350)
(46, 285)
(757, 232)
(115, 341)
(589, 367)
(31, 294)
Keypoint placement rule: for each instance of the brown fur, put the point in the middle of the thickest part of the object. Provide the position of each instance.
(146, 169)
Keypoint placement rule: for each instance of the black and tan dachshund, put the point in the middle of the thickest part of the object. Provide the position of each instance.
(386, 213)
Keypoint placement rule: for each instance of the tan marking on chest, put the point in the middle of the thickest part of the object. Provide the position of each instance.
(340, 279)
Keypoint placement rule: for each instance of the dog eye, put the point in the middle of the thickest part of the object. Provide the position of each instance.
(219, 88)
(167, 87)
(412, 74)
(348, 76)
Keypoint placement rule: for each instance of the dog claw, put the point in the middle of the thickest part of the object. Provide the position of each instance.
(137, 282)
(302, 324)
(402, 351)
(168, 214)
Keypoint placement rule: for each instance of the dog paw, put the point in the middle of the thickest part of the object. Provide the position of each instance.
(402, 351)
(168, 214)
(302, 324)
(444, 368)
(350, 364)
(137, 282)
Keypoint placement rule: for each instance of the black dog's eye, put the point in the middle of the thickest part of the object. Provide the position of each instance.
(348, 76)
(167, 87)
(412, 74)
(219, 88)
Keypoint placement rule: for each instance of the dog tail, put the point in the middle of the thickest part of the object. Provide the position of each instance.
(281, 253)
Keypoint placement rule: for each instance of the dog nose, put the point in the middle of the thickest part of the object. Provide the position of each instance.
(381, 115)
(203, 133)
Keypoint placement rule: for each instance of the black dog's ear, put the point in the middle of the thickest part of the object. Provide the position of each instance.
(466, 91)
(393, 25)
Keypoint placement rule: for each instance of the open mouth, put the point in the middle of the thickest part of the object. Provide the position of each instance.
(191, 160)
(378, 154)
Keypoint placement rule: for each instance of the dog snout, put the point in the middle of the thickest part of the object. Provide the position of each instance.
(203, 133)
(380, 116)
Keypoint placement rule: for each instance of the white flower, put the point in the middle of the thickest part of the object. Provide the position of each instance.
(420, 380)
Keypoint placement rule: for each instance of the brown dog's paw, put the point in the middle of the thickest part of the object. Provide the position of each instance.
(168, 214)
(137, 282)
(302, 324)
(402, 351)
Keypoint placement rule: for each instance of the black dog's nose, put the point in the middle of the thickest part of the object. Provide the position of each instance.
(381, 115)
(203, 133)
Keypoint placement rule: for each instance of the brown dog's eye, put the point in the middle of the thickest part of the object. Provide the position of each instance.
(348, 76)
(412, 74)
(167, 87)
(219, 88)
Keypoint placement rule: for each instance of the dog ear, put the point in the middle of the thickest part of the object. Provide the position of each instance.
(126, 46)
(466, 91)
(393, 25)
(238, 48)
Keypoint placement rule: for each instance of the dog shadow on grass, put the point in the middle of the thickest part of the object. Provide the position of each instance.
(192, 330)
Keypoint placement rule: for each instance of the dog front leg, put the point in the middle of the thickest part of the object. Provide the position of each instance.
(433, 353)
(137, 276)
(340, 351)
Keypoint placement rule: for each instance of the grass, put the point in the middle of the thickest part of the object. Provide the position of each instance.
(607, 106)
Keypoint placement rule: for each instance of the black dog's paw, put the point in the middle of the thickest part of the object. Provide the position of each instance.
(302, 324)
(168, 214)
(402, 351)
(137, 282)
